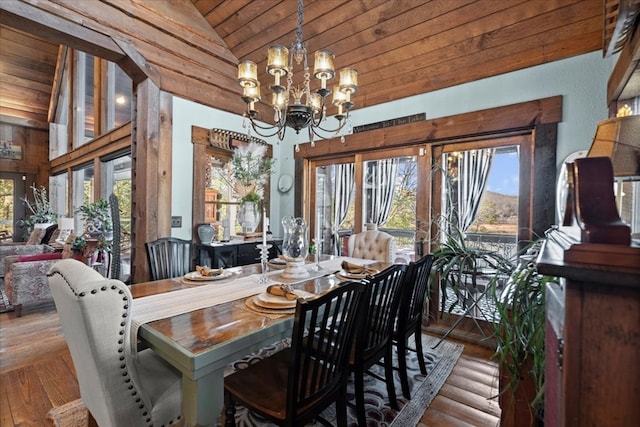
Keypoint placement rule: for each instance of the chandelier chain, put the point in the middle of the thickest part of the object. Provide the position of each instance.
(300, 22)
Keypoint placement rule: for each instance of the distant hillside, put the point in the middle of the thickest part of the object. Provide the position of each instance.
(496, 209)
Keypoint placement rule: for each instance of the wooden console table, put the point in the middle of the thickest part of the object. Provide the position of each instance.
(593, 370)
(234, 253)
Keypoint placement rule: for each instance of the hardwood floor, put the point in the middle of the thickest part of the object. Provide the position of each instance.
(36, 374)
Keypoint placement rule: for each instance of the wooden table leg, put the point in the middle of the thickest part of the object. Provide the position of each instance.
(202, 399)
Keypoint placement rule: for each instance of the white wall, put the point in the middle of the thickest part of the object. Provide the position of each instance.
(581, 80)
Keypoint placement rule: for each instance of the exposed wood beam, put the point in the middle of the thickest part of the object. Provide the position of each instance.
(626, 67)
(57, 82)
(13, 117)
(523, 116)
(49, 26)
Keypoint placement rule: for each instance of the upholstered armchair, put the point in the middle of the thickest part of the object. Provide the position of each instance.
(118, 387)
(25, 278)
(372, 244)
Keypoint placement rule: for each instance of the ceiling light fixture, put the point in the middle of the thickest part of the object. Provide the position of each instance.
(297, 106)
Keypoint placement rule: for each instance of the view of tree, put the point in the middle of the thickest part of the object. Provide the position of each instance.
(6, 206)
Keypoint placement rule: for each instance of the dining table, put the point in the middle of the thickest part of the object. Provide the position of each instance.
(201, 327)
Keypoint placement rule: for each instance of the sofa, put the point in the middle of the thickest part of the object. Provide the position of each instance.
(20, 249)
(25, 279)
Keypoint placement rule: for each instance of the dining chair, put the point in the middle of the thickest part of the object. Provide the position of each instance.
(169, 257)
(118, 387)
(373, 339)
(372, 244)
(409, 320)
(293, 386)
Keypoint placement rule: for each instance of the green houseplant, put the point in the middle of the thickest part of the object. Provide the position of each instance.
(250, 168)
(97, 218)
(520, 334)
(458, 265)
(40, 208)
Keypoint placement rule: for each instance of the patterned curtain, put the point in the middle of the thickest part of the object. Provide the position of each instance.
(468, 185)
(343, 192)
(383, 190)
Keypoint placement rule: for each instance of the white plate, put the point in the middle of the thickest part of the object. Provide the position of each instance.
(352, 276)
(197, 277)
(277, 261)
(274, 301)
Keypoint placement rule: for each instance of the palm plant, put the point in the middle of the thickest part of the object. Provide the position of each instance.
(520, 332)
(458, 265)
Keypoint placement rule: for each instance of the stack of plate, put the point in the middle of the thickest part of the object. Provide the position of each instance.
(269, 302)
(345, 275)
(194, 278)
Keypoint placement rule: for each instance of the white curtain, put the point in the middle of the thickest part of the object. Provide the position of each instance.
(382, 190)
(473, 168)
(343, 192)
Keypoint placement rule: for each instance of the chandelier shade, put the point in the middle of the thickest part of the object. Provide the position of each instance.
(296, 105)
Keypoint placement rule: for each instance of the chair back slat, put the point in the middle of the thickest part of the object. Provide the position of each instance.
(324, 328)
(384, 291)
(168, 257)
(414, 291)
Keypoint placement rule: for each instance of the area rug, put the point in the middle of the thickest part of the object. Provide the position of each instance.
(4, 302)
(440, 362)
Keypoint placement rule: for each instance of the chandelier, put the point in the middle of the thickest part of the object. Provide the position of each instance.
(297, 106)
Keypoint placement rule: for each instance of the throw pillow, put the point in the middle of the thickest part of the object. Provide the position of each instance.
(35, 237)
(40, 257)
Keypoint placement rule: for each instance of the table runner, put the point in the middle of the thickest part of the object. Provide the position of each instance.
(169, 304)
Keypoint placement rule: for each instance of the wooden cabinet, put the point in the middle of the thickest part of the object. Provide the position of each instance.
(595, 363)
(231, 254)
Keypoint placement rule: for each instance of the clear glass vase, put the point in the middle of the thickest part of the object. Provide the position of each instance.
(295, 247)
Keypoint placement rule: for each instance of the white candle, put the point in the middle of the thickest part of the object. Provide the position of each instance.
(264, 227)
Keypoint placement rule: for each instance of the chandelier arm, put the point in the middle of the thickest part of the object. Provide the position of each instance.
(342, 123)
(256, 127)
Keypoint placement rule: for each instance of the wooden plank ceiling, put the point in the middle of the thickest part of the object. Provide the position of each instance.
(400, 47)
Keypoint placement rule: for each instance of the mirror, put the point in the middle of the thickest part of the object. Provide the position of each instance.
(214, 200)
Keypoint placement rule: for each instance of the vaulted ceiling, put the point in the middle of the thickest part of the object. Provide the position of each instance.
(400, 47)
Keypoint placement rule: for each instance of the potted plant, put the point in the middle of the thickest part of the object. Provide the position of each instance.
(520, 334)
(97, 219)
(459, 266)
(40, 208)
(250, 169)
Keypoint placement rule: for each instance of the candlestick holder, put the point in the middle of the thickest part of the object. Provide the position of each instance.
(316, 254)
(264, 257)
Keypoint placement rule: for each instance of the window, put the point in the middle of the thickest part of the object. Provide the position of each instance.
(59, 190)
(83, 181)
(83, 105)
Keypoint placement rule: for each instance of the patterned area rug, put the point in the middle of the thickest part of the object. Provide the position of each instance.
(4, 302)
(440, 363)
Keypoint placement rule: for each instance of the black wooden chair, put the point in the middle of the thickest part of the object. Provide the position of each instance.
(168, 257)
(410, 312)
(293, 386)
(373, 340)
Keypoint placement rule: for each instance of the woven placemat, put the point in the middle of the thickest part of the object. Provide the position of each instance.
(273, 312)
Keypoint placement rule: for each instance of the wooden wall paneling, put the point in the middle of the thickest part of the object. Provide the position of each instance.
(35, 152)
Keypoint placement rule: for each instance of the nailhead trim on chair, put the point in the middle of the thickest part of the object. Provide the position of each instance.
(125, 372)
